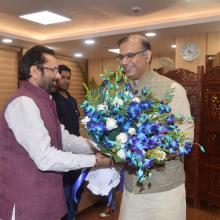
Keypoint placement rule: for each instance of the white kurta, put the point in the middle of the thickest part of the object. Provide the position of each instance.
(24, 119)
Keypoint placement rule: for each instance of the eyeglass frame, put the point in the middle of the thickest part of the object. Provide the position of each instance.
(129, 55)
(53, 69)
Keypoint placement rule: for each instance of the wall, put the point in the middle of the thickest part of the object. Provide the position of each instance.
(97, 66)
(208, 43)
(213, 43)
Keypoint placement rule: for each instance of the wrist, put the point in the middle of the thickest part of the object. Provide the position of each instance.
(96, 161)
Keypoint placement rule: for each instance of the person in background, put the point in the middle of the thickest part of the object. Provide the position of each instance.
(110, 206)
(35, 149)
(165, 65)
(162, 197)
(68, 114)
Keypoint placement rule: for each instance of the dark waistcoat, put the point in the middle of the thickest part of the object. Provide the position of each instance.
(37, 195)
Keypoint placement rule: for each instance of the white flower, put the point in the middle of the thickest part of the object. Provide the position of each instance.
(121, 154)
(131, 131)
(122, 138)
(160, 155)
(111, 124)
(117, 101)
(139, 124)
(128, 94)
(136, 99)
(85, 120)
(102, 107)
(122, 146)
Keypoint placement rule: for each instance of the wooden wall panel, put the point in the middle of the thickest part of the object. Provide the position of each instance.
(8, 74)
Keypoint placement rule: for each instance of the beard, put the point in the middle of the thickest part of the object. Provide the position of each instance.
(48, 85)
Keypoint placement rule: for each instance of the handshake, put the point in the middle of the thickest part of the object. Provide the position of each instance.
(102, 160)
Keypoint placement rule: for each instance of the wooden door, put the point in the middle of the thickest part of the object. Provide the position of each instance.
(210, 161)
(192, 83)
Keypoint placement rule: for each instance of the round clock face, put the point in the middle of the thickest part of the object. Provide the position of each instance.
(189, 52)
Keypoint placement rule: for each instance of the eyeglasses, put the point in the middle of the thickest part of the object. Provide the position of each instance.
(53, 69)
(129, 55)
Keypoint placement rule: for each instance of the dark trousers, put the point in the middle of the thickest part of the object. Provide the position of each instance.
(69, 179)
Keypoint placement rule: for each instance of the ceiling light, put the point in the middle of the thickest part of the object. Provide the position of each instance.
(173, 45)
(150, 34)
(7, 40)
(114, 50)
(45, 17)
(210, 58)
(136, 9)
(89, 42)
(78, 55)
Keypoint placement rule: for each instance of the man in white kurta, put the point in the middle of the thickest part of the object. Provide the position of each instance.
(162, 197)
(35, 149)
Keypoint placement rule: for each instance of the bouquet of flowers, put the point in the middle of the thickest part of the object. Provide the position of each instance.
(138, 130)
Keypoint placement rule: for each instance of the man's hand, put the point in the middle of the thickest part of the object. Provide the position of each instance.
(102, 161)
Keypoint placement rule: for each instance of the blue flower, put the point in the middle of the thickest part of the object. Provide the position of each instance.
(170, 120)
(188, 147)
(155, 128)
(107, 142)
(146, 104)
(126, 125)
(120, 119)
(128, 86)
(96, 129)
(164, 108)
(95, 118)
(174, 145)
(148, 163)
(140, 173)
(134, 110)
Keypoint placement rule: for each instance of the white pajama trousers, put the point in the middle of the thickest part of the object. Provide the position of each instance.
(168, 205)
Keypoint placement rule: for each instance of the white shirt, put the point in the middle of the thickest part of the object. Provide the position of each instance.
(24, 119)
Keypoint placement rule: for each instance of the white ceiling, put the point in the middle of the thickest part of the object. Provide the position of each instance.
(106, 21)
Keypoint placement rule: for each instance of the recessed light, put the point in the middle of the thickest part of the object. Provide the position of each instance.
(7, 40)
(78, 55)
(89, 41)
(114, 50)
(173, 45)
(136, 9)
(150, 34)
(45, 17)
(210, 58)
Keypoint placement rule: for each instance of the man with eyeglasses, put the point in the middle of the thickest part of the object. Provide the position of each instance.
(35, 149)
(162, 197)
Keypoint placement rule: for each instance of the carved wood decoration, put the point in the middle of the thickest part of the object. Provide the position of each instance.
(210, 161)
(192, 83)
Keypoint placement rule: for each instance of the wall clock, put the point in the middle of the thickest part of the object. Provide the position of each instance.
(190, 52)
